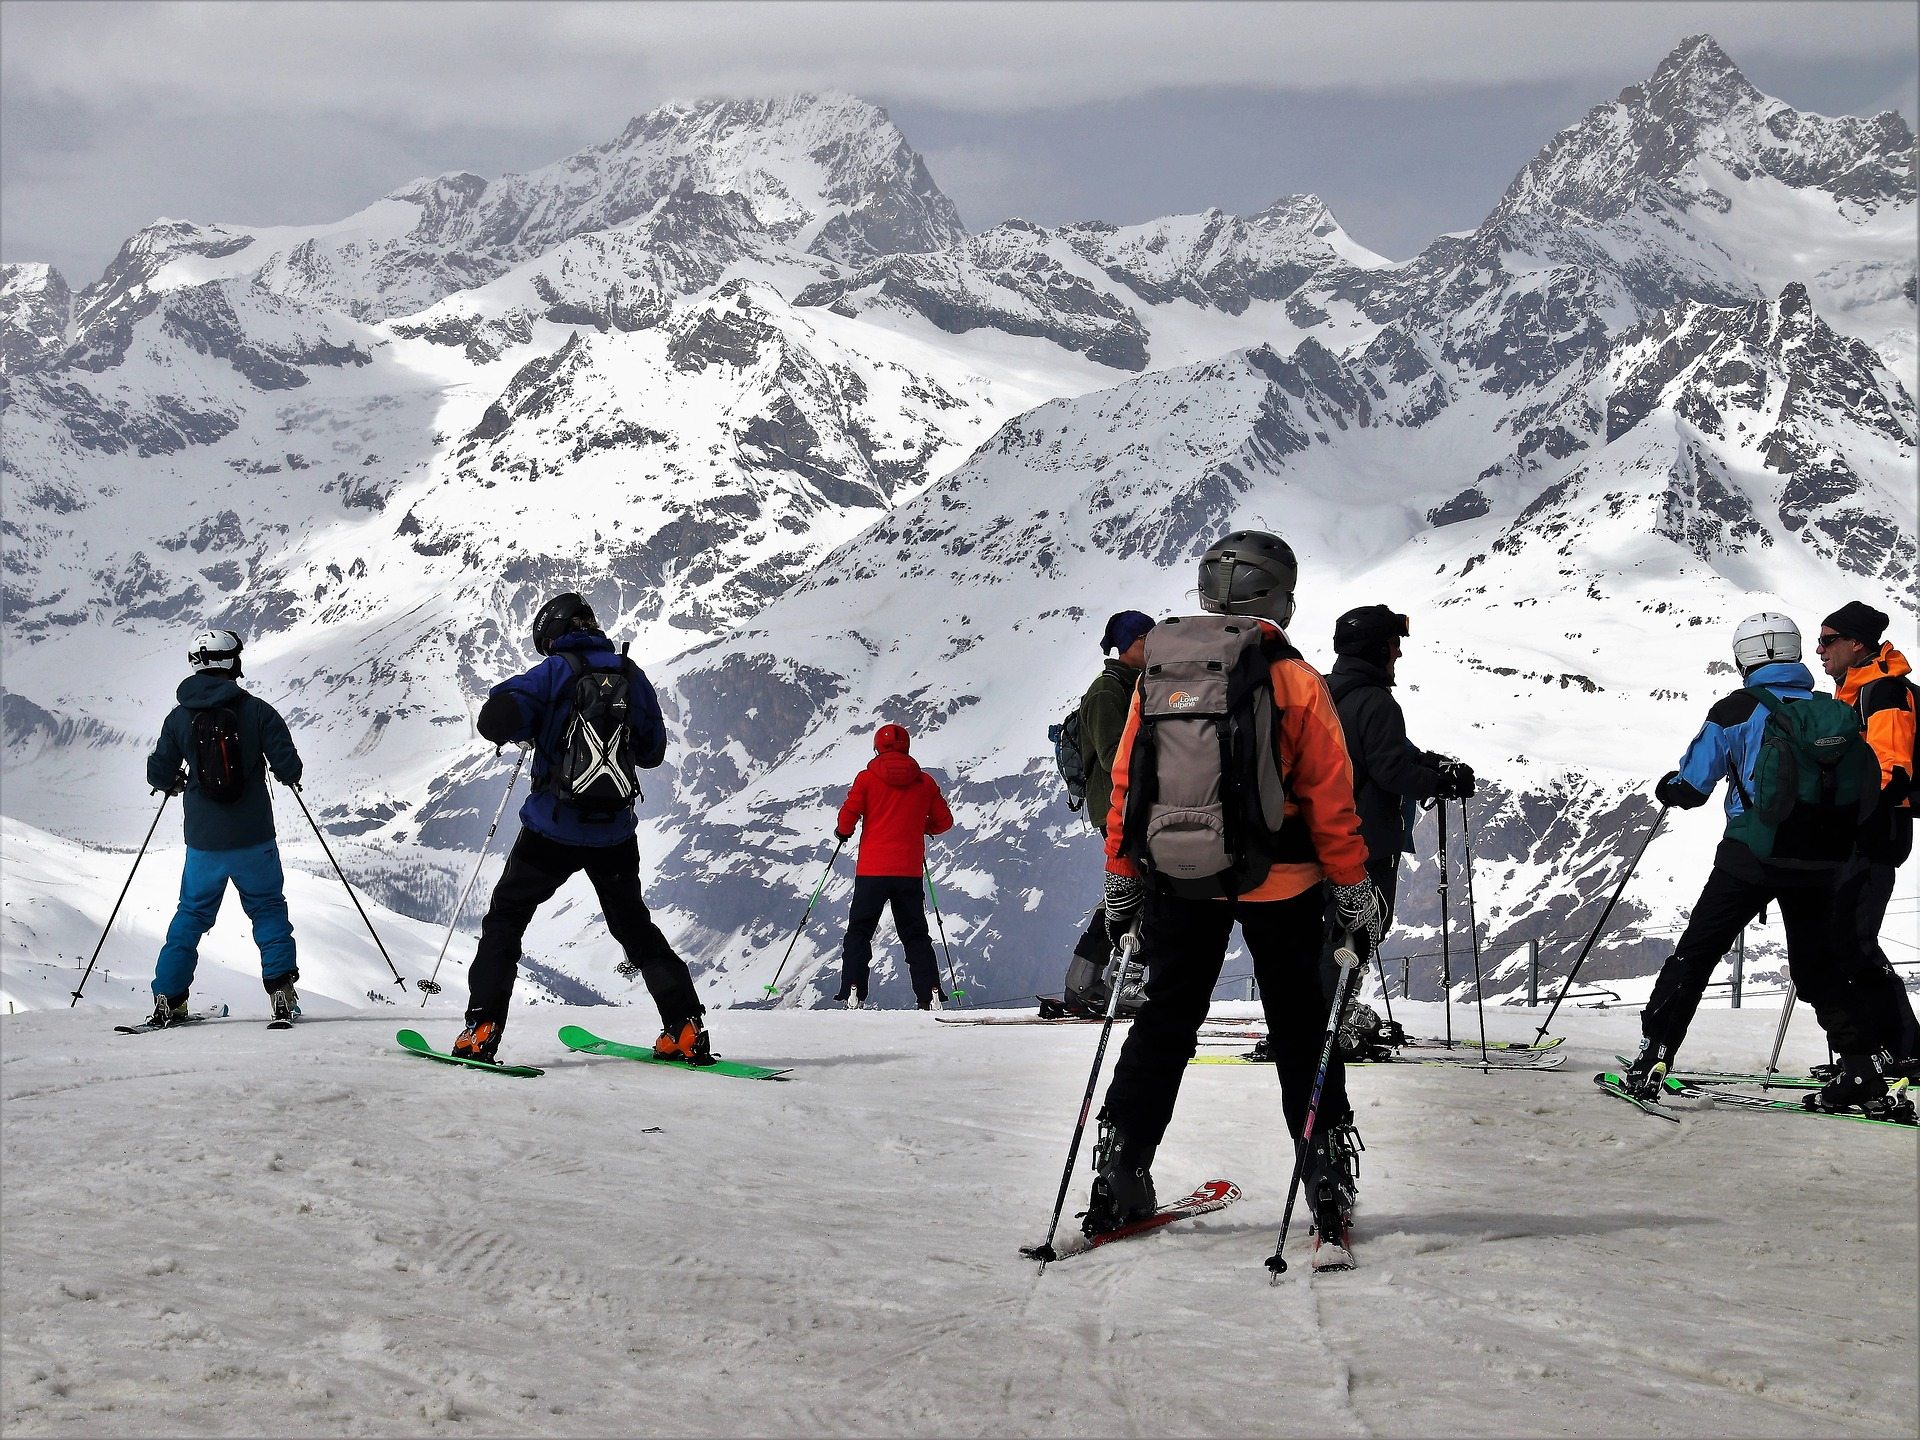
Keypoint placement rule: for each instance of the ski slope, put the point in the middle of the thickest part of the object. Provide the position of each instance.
(223, 1230)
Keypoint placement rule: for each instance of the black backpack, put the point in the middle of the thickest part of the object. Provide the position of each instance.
(1067, 755)
(593, 772)
(218, 764)
(1206, 801)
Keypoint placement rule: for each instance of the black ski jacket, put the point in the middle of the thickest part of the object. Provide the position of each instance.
(264, 744)
(1389, 775)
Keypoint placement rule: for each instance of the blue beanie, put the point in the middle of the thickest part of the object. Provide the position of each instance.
(1125, 628)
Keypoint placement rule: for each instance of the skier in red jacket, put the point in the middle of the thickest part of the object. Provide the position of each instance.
(900, 805)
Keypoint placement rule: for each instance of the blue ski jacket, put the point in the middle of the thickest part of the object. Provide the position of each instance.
(534, 706)
(1729, 743)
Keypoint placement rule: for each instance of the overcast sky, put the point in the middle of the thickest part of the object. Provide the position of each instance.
(1409, 119)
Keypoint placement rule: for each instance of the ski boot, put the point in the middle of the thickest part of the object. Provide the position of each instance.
(286, 1003)
(1642, 1078)
(1332, 1179)
(167, 1011)
(480, 1040)
(685, 1040)
(1859, 1085)
(1363, 1035)
(1122, 1182)
(1262, 1052)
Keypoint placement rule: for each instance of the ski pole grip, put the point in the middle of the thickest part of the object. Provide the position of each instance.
(1346, 950)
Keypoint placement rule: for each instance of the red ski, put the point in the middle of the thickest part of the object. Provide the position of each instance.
(1214, 1195)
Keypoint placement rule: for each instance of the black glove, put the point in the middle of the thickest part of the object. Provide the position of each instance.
(176, 786)
(1674, 791)
(1456, 778)
(841, 838)
(1361, 909)
(1122, 903)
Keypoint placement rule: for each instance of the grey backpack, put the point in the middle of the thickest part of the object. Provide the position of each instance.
(1206, 799)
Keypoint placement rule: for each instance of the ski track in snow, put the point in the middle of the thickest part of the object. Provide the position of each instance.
(226, 1230)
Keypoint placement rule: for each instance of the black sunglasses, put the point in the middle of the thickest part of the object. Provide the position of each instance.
(1821, 642)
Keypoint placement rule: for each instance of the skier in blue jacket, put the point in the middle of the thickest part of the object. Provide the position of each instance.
(579, 817)
(229, 822)
(1766, 649)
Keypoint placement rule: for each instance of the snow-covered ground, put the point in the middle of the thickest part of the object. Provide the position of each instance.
(226, 1230)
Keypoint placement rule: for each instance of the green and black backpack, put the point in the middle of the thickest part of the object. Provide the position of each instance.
(1815, 782)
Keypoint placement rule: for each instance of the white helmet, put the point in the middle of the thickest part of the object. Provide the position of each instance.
(216, 650)
(1763, 638)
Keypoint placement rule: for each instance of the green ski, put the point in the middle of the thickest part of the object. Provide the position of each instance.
(416, 1043)
(1615, 1086)
(1737, 1101)
(1779, 1080)
(588, 1043)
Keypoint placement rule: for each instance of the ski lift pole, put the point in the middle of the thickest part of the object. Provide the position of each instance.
(1473, 930)
(773, 985)
(1600, 924)
(165, 796)
(431, 985)
(953, 985)
(398, 979)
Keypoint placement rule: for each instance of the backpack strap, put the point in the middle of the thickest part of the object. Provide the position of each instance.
(1773, 705)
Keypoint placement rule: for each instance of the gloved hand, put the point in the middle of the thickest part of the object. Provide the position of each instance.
(841, 838)
(1361, 909)
(177, 786)
(1456, 779)
(1674, 791)
(1122, 903)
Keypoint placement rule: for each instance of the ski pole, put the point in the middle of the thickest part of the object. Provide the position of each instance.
(1346, 954)
(953, 986)
(1446, 959)
(1618, 891)
(431, 985)
(773, 986)
(165, 796)
(398, 979)
(1473, 930)
(1129, 944)
(1780, 1035)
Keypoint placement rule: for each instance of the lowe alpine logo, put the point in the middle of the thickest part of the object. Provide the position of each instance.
(1181, 700)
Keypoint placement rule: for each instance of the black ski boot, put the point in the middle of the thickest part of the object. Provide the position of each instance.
(1857, 1085)
(1649, 1068)
(1122, 1183)
(286, 1004)
(1262, 1052)
(167, 1011)
(1333, 1183)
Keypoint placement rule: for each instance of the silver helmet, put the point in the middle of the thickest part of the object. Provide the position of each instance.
(1249, 573)
(216, 650)
(1764, 638)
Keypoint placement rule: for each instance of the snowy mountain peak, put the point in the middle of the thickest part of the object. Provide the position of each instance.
(36, 308)
(1698, 128)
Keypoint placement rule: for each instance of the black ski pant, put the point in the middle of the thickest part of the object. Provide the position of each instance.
(536, 868)
(1183, 944)
(1875, 988)
(872, 894)
(1819, 948)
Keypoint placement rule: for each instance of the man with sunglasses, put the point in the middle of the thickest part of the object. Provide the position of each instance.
(1873, 677)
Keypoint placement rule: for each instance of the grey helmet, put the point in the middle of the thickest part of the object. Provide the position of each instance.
(557, 617)
(216, 650)
(1249, 573)
(1764, 639)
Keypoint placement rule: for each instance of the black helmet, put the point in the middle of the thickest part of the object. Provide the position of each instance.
(558, 616)
(1368, 632)
(1249, 573)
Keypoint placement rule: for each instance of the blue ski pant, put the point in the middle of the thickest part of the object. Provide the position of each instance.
(255, 873)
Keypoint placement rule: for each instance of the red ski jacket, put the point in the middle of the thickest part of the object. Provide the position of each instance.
(901, 806)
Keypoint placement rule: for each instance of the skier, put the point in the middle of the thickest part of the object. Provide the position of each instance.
(899, 805)
(215, 748)
(591, 716)
(1873, 677)
(1766, 649)
(1315, 846)
(1103, 715)
(1390, 779)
